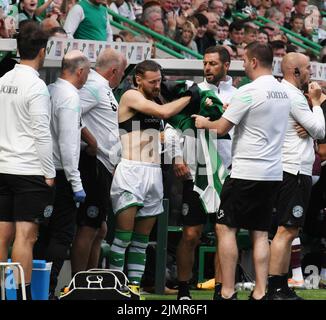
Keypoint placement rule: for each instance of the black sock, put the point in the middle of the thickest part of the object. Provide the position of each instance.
(218, 287)
(277, 282)
(183, 287)
(28, 292)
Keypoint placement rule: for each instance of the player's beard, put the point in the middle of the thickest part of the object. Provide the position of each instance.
(150, 94)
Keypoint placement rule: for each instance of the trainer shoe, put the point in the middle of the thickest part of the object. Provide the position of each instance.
(296, 284)
(135, 288)
(184, 295)
(283, 294)
(233, 297)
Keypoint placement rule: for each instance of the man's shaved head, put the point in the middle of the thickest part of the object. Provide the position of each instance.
(293, 60)
(296, 69)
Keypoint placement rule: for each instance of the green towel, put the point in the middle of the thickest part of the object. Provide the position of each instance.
(210, 175)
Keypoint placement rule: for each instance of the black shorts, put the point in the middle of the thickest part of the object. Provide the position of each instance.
(247, 204)
(293, 200)
(193, 213)
(25, 198)
(97, 182)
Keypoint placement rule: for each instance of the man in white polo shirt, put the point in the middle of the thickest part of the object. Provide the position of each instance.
(100, 116)
(298, 156)
(55, 239)
(259, 112)
(26, 166)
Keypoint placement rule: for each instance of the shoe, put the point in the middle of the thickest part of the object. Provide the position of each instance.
(253, 299)
(283, 294)
(217, 291)
(233, 297)
(297, 284)
(135, 288)
(322, 284)
(184, 295)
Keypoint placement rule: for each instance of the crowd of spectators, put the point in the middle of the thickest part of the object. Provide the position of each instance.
(196, 24)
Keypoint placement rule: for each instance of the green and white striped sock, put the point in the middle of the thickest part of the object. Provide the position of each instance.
(137, 257)
(118, 249)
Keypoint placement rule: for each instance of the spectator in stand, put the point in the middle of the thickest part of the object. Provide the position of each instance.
(211, 28)
(250, 34)
(152, 18)
(124, 8)
(236, 33)
(297, 23)
(27, 10)
(300, 7)
(279, 48)
(276, 16)
(262, 36)
(312, 24)
(217, 7)
(222, 31)
(185, 5)
(201, 37)
(186, 39)
(228, 8)
(263, 7)
(89, 20)
(286, 7)
(167, 10)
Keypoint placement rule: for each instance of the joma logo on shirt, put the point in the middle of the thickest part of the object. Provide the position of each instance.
(8, 89)
(276, 95)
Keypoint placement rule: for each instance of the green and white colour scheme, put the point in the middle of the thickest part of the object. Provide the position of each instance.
(210, 170)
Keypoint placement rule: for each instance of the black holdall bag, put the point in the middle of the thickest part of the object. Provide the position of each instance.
(99, 284)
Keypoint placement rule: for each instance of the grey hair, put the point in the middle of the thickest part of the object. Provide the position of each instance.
(71, 65)
(148, 11)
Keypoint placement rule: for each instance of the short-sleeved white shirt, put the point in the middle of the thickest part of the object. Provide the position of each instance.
(100, 116)
(260, 112)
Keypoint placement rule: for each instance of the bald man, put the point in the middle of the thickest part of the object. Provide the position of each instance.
(55, 239)
(100, 116)
(297, 158)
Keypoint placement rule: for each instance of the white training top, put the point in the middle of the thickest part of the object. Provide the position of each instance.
(260, 112)
(65, 130)
(76, 16)
(298, 154)
(25, 138)
(100, 116)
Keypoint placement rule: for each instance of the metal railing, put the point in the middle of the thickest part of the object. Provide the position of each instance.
(163, 40)
(156, 44)
(305, 44)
